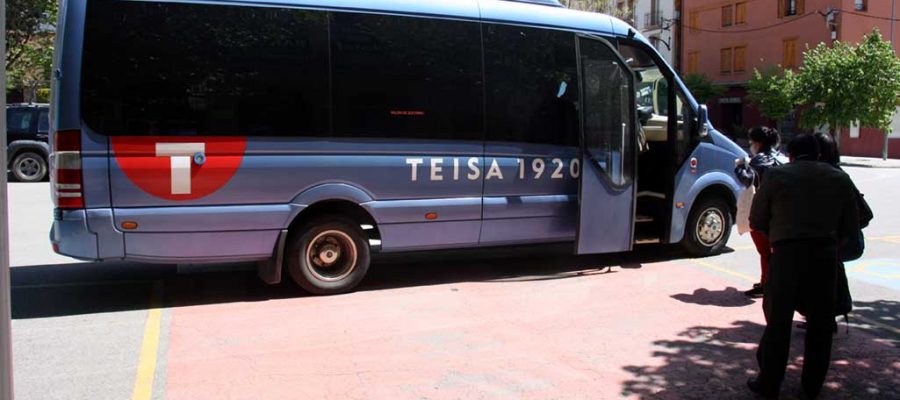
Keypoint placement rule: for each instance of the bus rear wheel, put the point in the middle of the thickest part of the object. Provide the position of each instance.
(328, 255)
(708, 227)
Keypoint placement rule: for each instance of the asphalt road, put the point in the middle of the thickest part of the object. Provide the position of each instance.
(530, 323)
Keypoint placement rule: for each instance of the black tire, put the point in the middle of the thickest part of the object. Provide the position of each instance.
(29, 166)
(328, 255)
(708, 227)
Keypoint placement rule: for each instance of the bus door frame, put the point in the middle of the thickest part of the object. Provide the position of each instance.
(590, 242)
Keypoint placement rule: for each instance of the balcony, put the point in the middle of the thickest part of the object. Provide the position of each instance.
(652, 20)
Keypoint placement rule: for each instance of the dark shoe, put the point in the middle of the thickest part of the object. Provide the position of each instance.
(758, 388)
(756, 292)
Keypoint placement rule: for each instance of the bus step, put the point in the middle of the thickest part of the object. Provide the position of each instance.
(647, 240)
(643, 219)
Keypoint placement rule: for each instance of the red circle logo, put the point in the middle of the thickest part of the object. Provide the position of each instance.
(179, 168)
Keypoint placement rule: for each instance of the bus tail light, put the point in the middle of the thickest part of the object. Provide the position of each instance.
(65, 175)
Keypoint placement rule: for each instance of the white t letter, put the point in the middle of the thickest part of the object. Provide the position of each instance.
(414, 162)
(180, 155)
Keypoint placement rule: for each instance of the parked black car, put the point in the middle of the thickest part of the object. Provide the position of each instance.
(27, 149)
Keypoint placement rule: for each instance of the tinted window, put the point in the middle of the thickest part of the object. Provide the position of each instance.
(19, 120)
(188, 69)
(44, 121)
(532, 86)
(406, 77)
(608, 110)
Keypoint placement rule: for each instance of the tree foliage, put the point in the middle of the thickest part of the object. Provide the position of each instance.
(844, 84)
(773, 91)
(30, 26)
(703, 88)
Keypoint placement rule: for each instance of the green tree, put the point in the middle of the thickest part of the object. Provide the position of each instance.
(877, 58)
(774, 92)
(30, 26)
(703, 88)
(844, 84)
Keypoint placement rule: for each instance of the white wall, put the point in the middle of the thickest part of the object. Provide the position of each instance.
(666, 8)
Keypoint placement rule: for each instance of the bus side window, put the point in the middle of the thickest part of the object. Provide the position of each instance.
(406, 77)
(532, 85)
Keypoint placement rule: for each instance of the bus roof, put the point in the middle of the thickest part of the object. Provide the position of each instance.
(533, 13)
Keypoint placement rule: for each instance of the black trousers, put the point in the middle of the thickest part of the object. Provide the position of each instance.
(801, 275)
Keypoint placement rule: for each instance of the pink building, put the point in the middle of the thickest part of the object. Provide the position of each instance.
(727, 39)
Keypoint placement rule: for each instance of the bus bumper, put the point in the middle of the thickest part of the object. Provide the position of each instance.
(71, 236)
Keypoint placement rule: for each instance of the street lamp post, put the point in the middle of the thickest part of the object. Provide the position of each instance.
(6, 376)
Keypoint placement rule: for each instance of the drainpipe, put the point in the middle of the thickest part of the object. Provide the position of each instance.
(884, 150)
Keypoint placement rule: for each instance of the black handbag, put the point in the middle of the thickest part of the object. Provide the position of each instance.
(843, 303)
(853, 248)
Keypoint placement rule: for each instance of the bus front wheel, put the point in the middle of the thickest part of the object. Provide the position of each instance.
(708, 227)
(328, 255)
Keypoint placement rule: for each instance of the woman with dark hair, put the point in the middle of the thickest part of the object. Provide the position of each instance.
(763, 144)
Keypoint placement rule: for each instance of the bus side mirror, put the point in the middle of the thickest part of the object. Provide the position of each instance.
(703, 121)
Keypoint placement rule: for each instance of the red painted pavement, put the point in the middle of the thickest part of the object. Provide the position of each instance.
(590, 336)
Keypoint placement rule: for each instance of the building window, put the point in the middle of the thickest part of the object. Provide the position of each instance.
(740, 13)
(789, 53)
(727, 15)
(740, 57)
(725, 61)
(693, 66)
(695, 21)
(787, 8)
(861, 5)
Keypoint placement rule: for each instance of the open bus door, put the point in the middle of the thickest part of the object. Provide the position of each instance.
(607, 186)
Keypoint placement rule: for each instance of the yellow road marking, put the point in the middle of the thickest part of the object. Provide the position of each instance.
(143, 383)
(751, 279)
(889, 239)
(715, 267)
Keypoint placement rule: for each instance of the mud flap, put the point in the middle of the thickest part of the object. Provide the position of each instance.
(269, 271)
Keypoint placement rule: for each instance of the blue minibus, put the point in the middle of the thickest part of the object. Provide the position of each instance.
(308, 135)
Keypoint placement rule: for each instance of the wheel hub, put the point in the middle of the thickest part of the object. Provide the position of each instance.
(29, 167)
(331, 255)
(710, 227)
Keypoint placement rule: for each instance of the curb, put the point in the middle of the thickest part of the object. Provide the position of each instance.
(864, 165)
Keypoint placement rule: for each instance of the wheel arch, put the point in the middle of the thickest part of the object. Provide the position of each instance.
(716, 183)
(19, 146)
(338, 199)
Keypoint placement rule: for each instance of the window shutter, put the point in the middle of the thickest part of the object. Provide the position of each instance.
(693, 62)
(740, 56)
(740, 10)
(801, 7)
(781, 4)
(725, 61)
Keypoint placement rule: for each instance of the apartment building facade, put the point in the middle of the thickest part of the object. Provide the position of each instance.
(658, 21)
(727, 39)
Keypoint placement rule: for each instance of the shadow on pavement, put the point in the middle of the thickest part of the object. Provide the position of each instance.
(728, 297)
(75, 289)
(713, 362)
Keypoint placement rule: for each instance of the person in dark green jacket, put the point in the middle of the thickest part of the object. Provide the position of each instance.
(806, 208)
